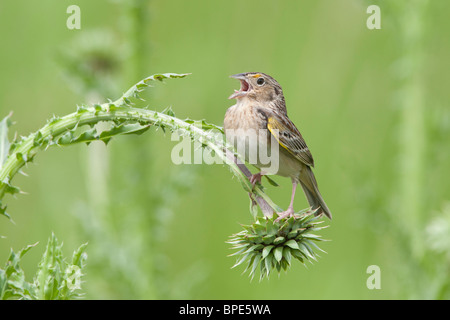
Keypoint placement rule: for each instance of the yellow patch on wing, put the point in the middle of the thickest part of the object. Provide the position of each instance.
(275, 127)
(290, 140)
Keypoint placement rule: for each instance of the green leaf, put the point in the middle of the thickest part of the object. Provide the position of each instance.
(284, 264)
(86, 136)
(10, 188)
(53, 120)
(266, 251)
(57, 279)
(260, 230)
(292, 244)
(312, 244)
(83, 109)
(298, 255)
(38, 139)
(268, 239)
(204, 125)
(242, 259)
(133, 92)
(278, 253)
(65, 139)
(253, 208)
(250, 262)
(12, 278)
(168, 111)
(271, 228)
(267, 265)
(79, 256)
(243, 249)
(271, 181)
(49, 270)
(312, 237)
(4, 142)
(3, 210)
(256, 247)
(254, 238)
(287, 255)
(307, 251)
(278, 240)
(292, 234)
(134, 128)
(3, 284)
(255, 264)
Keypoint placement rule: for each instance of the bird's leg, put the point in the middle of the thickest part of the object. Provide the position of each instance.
(290, 210)
(255, 178)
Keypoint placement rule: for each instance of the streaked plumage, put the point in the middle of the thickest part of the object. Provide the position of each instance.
(261, 105)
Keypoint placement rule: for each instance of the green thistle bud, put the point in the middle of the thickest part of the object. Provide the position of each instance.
(272, 244)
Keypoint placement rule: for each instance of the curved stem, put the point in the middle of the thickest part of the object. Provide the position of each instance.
(122, 112)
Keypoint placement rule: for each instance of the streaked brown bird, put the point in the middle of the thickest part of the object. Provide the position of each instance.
(261, 107)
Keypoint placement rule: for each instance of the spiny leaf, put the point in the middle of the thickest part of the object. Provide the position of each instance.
(259, 229)
(55, 278)
(268, 239)
(82, 109)
(266, 251)
(133, 92)
(53, 120)
(298, 255)
(86, 136)
(21, 157)
(4, 142)
(278, 253)
(271, 228)
(3, 211)
(278, 240)
(79, 256)
(204, 125)
(255, 264)
(292, 244)
(38, 139)
(271, 181)
(10, 188)
(287, 255)
(134, 128)
(168, 111)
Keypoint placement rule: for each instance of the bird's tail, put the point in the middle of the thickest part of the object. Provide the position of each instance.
(309, 185)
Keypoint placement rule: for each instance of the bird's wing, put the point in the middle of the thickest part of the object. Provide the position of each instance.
(290, 138)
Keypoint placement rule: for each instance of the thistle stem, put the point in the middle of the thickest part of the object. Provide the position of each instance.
(121, 110)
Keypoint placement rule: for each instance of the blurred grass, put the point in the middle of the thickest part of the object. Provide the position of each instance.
(162, 231)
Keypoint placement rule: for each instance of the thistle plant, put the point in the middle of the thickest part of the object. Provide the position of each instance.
(272, 244)
(55, 279)
(124, 117)
(288, 238)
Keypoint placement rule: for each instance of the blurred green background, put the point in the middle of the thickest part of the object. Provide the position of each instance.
(373, 106)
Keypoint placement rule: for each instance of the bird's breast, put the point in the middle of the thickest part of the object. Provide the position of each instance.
(247, 131)
(241, 116)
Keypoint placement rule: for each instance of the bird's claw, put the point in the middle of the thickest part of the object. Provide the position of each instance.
(282, 215)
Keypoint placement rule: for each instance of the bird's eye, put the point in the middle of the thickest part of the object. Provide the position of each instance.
(260, 81)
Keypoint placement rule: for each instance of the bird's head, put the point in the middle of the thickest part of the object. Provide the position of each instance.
(257, 86)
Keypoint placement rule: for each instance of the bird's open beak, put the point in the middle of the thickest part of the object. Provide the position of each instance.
(245, 86)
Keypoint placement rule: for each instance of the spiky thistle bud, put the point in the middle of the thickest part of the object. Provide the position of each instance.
(272, 244)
